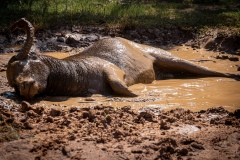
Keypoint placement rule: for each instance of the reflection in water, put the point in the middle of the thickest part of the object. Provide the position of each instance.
(195, 94)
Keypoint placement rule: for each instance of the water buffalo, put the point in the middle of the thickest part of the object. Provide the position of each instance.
(108, 66)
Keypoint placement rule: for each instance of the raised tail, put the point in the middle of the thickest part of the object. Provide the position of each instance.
(29, 29)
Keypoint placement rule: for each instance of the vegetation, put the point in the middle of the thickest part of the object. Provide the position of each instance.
(145, 13)
(8, 130)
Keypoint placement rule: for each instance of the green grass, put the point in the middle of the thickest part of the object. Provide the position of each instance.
(8, 132)
(151, 13)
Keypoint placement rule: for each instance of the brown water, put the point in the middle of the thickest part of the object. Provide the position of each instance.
(195, 94)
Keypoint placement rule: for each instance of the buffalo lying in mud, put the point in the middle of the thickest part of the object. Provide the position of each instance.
(108, 66)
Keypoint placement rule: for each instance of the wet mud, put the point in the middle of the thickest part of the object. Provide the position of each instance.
(170, 119)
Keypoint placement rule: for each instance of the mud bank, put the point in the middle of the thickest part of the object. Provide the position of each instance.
(71, 38)
(104, 132)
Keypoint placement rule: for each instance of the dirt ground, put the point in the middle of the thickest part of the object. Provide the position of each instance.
(104, 132)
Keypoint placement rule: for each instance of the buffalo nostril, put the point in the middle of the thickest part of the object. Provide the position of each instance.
(16, 90)
(26, 84)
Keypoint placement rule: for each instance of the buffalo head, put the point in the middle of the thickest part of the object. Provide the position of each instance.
(26, 73)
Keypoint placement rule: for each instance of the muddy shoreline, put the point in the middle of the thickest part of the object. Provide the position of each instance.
(71, 38)
(53, 131)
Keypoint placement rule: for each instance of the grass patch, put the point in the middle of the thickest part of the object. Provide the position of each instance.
(151, 13)
(8, 131)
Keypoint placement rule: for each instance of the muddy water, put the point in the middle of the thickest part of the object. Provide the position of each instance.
(194, 94)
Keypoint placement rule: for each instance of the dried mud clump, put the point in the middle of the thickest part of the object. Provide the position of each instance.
(104, 132)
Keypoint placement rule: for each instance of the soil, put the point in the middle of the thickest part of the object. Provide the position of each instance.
(36, 131)
(104, 132)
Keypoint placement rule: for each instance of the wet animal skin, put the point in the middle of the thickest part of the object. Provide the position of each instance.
(108, 66)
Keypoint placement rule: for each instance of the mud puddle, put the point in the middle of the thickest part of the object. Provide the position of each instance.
(192, 93)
